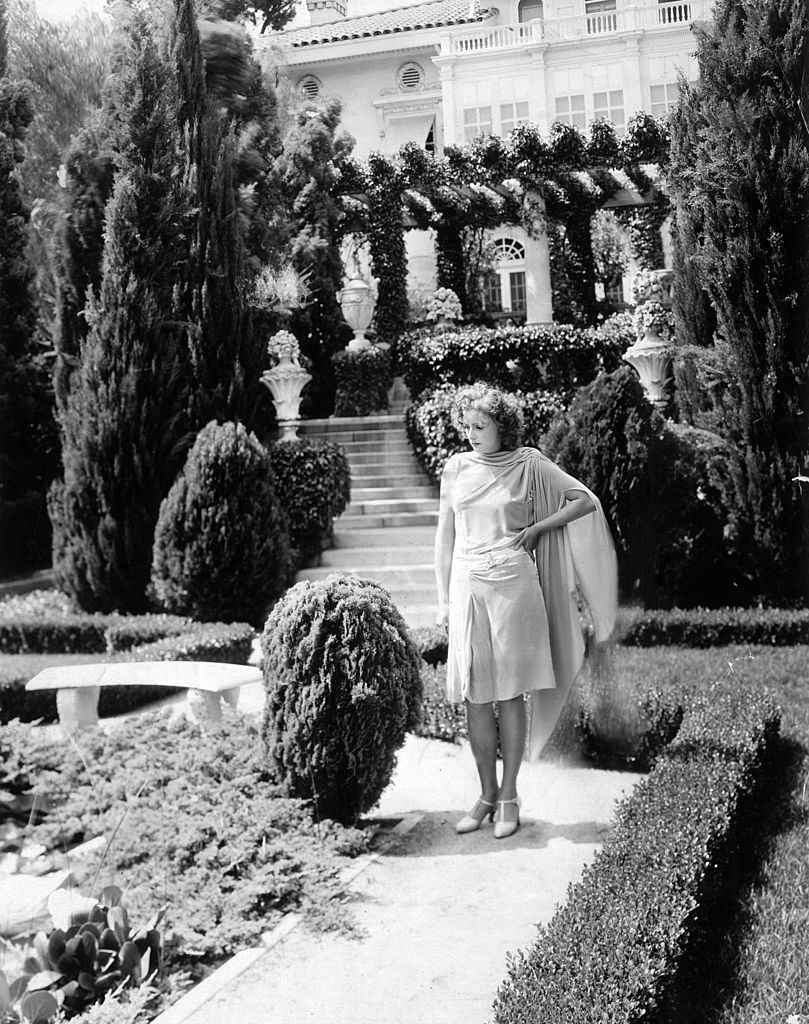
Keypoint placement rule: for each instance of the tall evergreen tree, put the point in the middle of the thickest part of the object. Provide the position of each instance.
(309, 222)
(740, 177)
(24, 402)
(123, 433)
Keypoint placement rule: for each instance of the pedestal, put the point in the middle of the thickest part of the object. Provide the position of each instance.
(77, 707)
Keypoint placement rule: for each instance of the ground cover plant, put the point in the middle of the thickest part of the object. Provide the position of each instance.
(226, 853)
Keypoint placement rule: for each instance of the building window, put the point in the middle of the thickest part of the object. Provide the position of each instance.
(530, 10)
(410, 77)
(429, 142)
(663, 98)
(504, 286)
(310, 86)
(570, 110)
(611, 106)
(476, 121)
(512, 114)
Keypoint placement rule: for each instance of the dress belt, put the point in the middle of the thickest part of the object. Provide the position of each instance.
(488, 559)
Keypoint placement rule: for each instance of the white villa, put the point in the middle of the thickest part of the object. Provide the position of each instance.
(442, 72)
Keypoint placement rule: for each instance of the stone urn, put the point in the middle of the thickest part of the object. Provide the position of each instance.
(357, 304)
(651, 354)
(286, 380)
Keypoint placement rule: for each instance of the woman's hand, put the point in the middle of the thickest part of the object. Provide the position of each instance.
(442, 616)
(528, 538)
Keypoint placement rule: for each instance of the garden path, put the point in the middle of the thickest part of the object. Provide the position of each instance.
(437, 914)
(387, 532)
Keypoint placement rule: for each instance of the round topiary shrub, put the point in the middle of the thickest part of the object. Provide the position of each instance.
(343, 687)
(221, 552)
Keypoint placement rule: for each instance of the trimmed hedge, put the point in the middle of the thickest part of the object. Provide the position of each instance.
(313, 484)
(226, 642)
(558, 358)
(624, 945)
(364, 378)
(63, 634)
(716, 627)
(135, 630)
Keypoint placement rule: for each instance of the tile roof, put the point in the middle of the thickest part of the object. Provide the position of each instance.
(433, 14)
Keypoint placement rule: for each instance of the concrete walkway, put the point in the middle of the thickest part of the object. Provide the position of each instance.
(437, 913)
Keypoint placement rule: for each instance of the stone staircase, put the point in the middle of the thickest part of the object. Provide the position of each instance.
(387, 532)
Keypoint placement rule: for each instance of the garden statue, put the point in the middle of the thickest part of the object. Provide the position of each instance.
(651, 354)
(357, 304)
(286, 379)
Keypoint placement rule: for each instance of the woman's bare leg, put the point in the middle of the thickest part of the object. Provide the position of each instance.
(483, 740)
(512, 742)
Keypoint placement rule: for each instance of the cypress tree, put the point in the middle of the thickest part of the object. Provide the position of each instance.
(309, 222)
(24, 402)
(740, 173)
(123, 435)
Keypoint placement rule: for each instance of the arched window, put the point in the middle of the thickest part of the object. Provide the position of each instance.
(504, 285)
(530, 10)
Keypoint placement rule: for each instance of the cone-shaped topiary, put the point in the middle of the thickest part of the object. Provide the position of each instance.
(221, 551)
(343, 686)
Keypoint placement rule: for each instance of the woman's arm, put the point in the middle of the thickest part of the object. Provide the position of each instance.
(444, 543)
(581, 505)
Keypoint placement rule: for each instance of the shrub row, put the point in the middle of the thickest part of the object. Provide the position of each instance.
(716, 627)
(624, 943)
(226, 642)
(61, 634)
(364, 378)
(558, 358)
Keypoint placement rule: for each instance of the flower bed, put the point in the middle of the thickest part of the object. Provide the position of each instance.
(606, 956)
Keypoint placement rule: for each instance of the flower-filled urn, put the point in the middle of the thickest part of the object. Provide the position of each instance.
(286, 379)
(357, 304)
(651, 354)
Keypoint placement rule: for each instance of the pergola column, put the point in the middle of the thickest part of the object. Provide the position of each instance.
(538, 303)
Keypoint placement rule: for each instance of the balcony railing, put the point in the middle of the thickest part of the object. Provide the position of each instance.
(642, 18)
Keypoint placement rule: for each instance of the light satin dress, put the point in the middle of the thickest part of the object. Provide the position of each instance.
(514, 623)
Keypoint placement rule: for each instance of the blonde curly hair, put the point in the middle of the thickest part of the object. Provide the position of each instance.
(502, 407)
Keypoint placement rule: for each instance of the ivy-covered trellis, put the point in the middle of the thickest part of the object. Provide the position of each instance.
(527, 179)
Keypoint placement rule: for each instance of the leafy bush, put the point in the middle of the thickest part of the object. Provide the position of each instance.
(364, 378)
(221, 550)
(198, 826)
(441, 719)
(431, 642)
(313, 483)
(557, 359)
(658, 486)
(631, 736)
(343, 686)
(434, 438)
(715, 627)
(619, 947)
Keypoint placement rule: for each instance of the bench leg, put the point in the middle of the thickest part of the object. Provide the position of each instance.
(231, 697)
(77, 707)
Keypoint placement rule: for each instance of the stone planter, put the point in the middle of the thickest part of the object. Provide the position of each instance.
(650, 357)
(286, 381)
(357, 305)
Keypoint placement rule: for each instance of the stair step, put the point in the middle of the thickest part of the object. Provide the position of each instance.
(379, 459)
(381, 445)
(395, 492)
(332, 423)
(395, 536)
(345, 437)
(384, 506)
(417, 554)
(387, 520)
(389, 575)
(407, 478)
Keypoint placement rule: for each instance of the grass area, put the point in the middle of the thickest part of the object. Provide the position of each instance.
(30, 664)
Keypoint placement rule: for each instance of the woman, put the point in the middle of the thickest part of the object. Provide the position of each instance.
(517, 540)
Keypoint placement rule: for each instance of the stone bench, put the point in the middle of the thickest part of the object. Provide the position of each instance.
(208, 683)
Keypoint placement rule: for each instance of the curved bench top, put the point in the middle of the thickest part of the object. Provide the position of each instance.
(197, 675)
